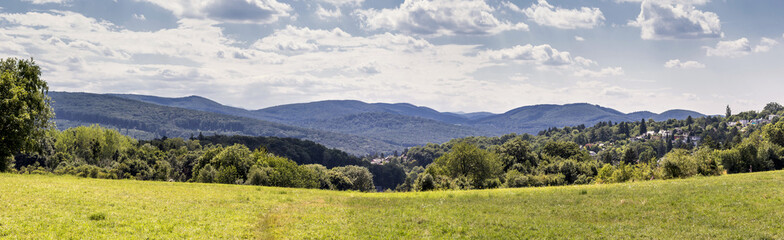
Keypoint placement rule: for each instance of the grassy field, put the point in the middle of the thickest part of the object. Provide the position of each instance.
(741, 206)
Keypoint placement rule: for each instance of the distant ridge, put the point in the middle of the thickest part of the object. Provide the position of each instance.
(380, 127)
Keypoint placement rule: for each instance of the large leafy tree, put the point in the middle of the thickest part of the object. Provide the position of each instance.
(24, 107)
(468, 161)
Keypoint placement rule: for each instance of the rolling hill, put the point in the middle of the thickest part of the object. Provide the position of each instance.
(369, 127)
(146, 120)
(531, 119)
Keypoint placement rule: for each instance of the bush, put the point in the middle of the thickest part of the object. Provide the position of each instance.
(361, 178)
(425, 182)
(339, 181)
(258, 176)
(206, 174)
(515, 179)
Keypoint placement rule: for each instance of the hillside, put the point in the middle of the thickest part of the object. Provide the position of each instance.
(738, 206)
(394, 126)
(322, 115)
(531, 119)
(150, 120)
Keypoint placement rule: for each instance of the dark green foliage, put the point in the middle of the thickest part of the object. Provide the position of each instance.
(681, 164)
(469, 161)
(517, 154)
(643, 127)
(24, 108)
(339, 181)
(425, 182)
(97, 216)
(301, 151)
(775, 133)
(562, 149)
(387, 176)
(361, 179)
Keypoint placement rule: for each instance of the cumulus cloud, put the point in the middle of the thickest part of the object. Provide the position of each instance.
(736, 48)
(686, 2)
(548, 15)
(676, 63)
(765, 45)
(292, 64)
(604, 72)
(673, 19)
(540, 54)
(233, 11)
(579, 39)
(343, 2)
(438, 18)
(46, 1)
(548, 58)
(323, 13)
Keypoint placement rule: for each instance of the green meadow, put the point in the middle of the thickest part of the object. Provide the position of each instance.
(737, 206)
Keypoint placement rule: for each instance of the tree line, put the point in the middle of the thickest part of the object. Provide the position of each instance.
(606, 152)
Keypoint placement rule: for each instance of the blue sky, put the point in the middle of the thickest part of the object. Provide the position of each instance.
(451, 55)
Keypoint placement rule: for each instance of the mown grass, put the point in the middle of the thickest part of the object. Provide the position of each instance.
(740, 206)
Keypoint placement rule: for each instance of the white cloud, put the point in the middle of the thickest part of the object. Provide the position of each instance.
(233, 11)
(765, 45)
(545, 57)
(438, 18)
(736, 48)
(604, 72)
(140, 17)
(676, 20)
(579, 39)
(323, 13)
(676, 63)
(343, 2)
(548, 15)
(683, 2)
(46, 1)
(299, 64)
(540, 54)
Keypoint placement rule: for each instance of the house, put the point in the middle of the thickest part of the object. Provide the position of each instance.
(665, 133)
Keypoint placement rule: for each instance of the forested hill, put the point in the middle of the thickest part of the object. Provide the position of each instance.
(353, 126)
(146, 121)
(323, 114)
(532, 119)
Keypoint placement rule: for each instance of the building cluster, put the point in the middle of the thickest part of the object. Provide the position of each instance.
(752, 122)
(678, 135)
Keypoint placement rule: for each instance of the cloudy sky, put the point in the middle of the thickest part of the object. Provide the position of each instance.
(451, 55)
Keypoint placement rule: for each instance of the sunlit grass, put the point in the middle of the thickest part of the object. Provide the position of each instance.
(740, 206)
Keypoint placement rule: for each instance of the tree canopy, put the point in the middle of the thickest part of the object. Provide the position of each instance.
(24, 107)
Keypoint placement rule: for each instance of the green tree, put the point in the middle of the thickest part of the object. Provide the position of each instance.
(24, 108)
(643, 128)
(729, 112)
(469, 161)
(772, 108)
(361, 178)
(516, 153)
(775, 133)
(562, 149)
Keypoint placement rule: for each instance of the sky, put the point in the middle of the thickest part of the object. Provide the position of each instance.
(450, 55)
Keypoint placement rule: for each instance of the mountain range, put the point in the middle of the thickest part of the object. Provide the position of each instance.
(353, 126)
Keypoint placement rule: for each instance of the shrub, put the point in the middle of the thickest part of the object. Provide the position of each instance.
(206, 174)
(425, 182)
